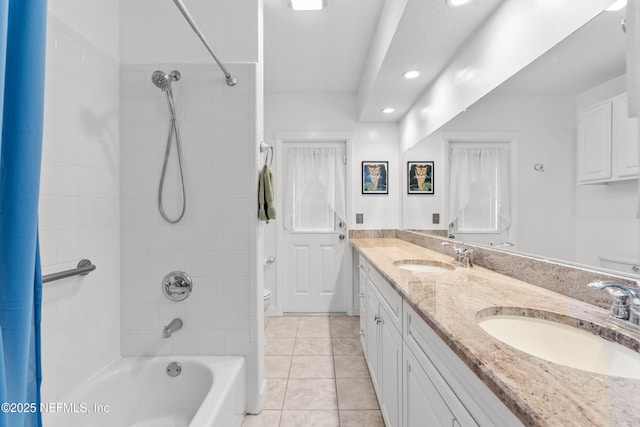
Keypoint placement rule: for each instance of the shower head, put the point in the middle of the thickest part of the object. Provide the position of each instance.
(163, 80)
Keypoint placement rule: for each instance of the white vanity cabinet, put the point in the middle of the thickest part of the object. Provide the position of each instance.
(362, 274)
(439, 389)
(418, 379)
(425, 403)
(607, 142)
(384, 346)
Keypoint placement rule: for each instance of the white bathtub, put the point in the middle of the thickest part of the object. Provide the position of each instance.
(137, 392)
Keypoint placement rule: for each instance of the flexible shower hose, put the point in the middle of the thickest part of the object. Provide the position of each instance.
(173, 130)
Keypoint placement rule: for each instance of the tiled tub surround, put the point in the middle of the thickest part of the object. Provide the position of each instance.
(217, 242)
(79, 212)
(212, 242)
(536, 391)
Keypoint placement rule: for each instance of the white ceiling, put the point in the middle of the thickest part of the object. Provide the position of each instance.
(325, 52)
(317, 52)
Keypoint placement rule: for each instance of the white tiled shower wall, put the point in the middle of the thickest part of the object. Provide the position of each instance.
(215, 242)
(79, 211)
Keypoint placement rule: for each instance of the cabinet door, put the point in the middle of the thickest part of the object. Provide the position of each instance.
(423, 405)
(594, 143)
(363, 326)
(390, 371)
(372, 336)
(625, 139)
(362, 268)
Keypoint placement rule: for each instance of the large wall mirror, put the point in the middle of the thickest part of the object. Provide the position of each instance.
(551, 215)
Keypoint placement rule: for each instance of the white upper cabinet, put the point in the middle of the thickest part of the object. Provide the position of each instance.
(607, 142)
(594, 143)
(625, 132)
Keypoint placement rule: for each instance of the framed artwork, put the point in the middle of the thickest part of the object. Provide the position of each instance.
(420, 177)
(374, 178)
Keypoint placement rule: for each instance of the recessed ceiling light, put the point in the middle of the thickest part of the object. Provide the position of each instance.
(411, 74)
(388, 110)
(307, 4)
(457, 3)
(617, 6)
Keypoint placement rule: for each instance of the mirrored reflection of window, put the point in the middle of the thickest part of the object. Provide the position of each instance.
(479, 187)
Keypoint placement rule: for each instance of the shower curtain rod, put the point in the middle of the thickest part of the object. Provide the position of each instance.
(231, 81)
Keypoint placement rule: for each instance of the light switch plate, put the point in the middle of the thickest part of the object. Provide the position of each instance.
(359, 218)
(435, 218)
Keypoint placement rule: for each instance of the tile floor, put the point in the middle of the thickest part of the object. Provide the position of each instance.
(317, 375)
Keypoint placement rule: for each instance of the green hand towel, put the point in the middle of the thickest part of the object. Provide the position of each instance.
(262, 214)
(268, 193)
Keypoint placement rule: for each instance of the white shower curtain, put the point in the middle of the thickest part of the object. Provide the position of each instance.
(474, 169)
(314, 197)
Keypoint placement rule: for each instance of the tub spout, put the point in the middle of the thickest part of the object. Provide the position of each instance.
(175, 325)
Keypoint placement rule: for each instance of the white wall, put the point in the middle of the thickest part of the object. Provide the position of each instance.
(153, 31)
(509, 40)
(79, 194)
(371, 141)
(546, 128)
(97, 21)
(215, 241)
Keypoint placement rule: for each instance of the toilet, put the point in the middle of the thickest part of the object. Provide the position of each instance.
(267, 299)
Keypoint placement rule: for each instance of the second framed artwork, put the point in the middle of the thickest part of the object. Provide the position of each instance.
(420, 177)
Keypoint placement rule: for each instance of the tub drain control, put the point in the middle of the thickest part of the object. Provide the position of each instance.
(174, 369)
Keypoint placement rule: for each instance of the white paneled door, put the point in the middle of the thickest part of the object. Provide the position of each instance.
(314, 232)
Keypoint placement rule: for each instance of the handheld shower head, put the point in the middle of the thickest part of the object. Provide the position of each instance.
(163, 80)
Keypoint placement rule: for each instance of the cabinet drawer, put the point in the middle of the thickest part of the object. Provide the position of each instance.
(390, 297)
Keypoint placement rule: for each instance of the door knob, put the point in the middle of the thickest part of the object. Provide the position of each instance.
(341, 236)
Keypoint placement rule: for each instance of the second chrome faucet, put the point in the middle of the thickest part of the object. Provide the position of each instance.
(622, 312)
(462, 255)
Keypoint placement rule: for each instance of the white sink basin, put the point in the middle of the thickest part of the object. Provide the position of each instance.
(563, 344)
(422, 266)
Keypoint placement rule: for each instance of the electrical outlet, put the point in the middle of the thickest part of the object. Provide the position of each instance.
(435, 218)
(359, 218)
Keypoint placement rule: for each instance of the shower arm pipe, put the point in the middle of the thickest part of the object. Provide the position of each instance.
(231, 81)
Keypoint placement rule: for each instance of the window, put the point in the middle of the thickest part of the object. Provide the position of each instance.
(315, 189)
(479, 187)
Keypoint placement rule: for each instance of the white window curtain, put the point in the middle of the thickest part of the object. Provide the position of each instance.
(479, 187)
(315, 198)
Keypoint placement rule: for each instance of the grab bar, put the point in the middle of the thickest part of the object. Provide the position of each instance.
(85, 266)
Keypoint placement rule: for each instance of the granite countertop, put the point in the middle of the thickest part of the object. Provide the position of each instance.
(538, 392)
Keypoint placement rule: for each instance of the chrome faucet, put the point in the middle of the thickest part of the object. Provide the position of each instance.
(622, 313)
(462, 255)
(175, 325)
